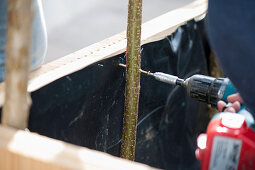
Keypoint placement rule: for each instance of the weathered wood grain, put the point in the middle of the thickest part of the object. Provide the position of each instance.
(19, 28)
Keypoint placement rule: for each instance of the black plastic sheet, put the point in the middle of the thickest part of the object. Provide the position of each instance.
(86, 107)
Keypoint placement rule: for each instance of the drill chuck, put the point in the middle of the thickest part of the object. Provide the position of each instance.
(206, 89)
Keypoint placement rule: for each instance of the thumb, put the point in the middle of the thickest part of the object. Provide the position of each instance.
(221, 105)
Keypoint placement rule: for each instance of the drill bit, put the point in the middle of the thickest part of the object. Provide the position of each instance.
(142, 71)
(163, 77)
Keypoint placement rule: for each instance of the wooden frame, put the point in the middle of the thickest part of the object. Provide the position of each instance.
(25, 150)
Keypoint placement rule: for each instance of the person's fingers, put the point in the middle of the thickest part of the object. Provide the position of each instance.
(230, 109)
(221, 105)
(236, 105)
(233, 108)
(235, 97)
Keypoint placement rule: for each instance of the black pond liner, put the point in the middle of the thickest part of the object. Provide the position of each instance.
(86, 107)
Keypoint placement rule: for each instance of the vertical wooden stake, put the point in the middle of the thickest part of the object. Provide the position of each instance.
(17, 99)
(132, 90)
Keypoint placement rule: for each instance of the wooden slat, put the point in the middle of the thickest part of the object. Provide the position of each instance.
(24, 150)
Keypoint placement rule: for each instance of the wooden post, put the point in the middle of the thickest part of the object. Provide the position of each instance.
(17, 100)
(132, 90)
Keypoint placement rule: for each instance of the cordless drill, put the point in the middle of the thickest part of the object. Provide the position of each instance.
(202, 88)
(229, 143)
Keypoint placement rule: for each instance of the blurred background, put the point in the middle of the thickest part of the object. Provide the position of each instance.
(75, 24)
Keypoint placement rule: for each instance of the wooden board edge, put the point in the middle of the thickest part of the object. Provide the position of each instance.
(25, 150)
(153, 30)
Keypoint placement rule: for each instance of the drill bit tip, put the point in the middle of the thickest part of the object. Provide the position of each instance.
(142, 71)
(122, 65)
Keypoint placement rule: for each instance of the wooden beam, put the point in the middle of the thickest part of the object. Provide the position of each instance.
(24, 150)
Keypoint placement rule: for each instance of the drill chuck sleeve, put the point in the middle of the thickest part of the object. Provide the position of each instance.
(205, 88)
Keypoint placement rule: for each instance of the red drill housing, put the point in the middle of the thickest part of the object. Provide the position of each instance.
(229, 144)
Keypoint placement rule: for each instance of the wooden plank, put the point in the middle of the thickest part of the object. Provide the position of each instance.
(153, 30)
(24, 150)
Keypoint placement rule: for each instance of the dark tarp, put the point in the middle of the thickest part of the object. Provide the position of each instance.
(86, 107)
